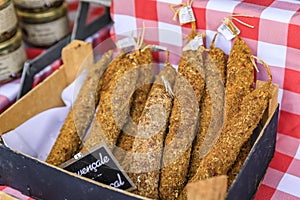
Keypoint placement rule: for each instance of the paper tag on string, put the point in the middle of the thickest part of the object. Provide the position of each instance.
(126, 42)
(194, 44)
(186, 15)
(227, 32)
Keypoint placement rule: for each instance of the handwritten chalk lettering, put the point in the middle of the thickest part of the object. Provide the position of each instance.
(93, 167)
(100, 165)
(118, 183)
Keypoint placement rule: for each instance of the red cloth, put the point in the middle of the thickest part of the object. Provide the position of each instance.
(14, 193)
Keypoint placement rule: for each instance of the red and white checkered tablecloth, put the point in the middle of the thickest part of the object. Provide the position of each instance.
(275, 39)
(14, 193)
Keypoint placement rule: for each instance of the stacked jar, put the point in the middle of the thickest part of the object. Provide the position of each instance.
(12, 51)
(43, 23)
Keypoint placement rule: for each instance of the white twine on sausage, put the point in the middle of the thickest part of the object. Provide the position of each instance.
(140, 39)
(253, 58)
(168, 86)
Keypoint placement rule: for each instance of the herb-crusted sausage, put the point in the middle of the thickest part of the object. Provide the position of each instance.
(80, 116)
(188, 89)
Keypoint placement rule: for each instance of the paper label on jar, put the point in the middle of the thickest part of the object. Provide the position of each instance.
(8, 19)
(12, 62)
(227, 32)
(47, 33)
(186, 15)
(33, 3)
(194, 44)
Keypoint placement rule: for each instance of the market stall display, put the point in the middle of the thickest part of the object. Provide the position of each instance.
(243, 102)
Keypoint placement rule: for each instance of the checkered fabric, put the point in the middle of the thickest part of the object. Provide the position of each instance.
(275, 39)
(9, 91)
(14, 193)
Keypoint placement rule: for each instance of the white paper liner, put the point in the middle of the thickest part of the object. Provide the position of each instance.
(36, 136)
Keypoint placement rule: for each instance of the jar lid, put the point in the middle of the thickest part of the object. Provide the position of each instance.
(12, 42)
(44, 16)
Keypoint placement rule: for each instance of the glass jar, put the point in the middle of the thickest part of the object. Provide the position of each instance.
(36, 6)
(43, 29)
(12, 57)
(8, 20)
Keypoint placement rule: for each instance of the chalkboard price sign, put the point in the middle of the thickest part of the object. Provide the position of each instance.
(100, 165)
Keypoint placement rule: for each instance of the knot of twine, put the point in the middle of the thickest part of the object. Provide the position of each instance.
(181, 5)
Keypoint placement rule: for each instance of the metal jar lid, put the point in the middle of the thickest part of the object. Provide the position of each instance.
(44, 16)
(11, 44)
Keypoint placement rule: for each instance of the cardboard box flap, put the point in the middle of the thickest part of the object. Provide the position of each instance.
(76, 56)
(211, 189)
